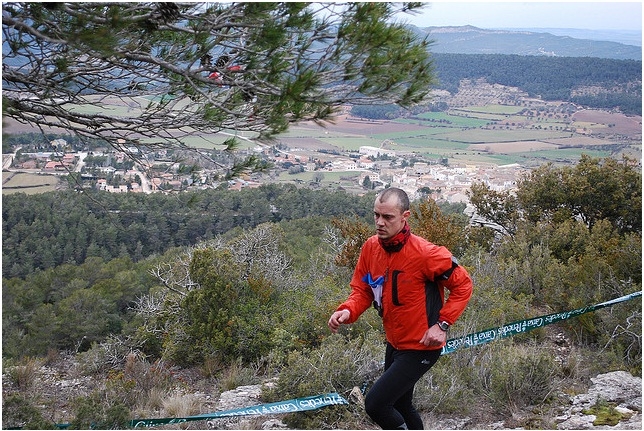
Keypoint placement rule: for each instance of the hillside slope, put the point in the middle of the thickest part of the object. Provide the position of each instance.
(473, 40)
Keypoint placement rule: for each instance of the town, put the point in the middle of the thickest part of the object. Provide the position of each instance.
(371, 168)
(353, 154)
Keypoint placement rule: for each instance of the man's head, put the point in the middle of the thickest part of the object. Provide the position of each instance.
(390, 212)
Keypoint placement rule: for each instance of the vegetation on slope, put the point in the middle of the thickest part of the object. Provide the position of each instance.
(552, 78)
(252, 305)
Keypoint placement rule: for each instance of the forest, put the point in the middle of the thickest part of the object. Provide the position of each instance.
(47, 230)
(551, 78)
(239, 285)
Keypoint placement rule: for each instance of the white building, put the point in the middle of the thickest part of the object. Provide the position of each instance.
(376, 152)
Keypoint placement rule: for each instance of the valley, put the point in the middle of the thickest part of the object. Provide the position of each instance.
(488, 132)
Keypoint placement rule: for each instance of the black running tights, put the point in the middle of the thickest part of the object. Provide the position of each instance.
(389, 401)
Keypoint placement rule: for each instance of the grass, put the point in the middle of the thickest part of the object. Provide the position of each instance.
(353, 143)
(503, 135)
(434, 143)
(453, 120)
(328, 179)
(179, 406)
(493, 109)
(572, 154)
(21, 182)
(605, 413)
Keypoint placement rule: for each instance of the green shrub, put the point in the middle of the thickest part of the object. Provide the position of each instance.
(93, 412)
(337, 365)
(520, 375)
(225, 316)
(19, 412)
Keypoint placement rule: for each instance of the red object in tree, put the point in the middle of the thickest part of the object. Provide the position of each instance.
(218, 77)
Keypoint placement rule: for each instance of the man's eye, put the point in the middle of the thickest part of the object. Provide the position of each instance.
(385, 216)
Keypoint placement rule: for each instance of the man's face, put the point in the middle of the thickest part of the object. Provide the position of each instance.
(388, 217)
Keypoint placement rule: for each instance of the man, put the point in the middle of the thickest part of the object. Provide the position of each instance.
(404, 277)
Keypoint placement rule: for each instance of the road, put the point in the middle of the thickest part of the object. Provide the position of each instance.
(7, 159)
(81, 162)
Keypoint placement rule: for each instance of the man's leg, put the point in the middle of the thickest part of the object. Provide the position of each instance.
(406, 408)
(389, 402)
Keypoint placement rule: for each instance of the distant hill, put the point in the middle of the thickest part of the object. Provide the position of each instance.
(473, 40)
(627, 37)
(600, 83)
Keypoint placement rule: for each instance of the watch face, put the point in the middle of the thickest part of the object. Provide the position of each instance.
(443, 325)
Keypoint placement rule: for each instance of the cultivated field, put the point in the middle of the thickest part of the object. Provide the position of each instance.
(528, 132)
(493, 134)
(614, 123)
(14, 182)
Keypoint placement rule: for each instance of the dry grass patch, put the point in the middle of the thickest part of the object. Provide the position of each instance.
(513, 147)
(179, 406)
(25, 375)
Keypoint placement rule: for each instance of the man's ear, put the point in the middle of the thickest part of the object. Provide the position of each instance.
(406, 214)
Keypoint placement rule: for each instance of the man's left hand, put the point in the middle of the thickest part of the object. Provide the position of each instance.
(434, 336)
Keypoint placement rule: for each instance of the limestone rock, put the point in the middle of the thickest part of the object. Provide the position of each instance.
(619, 388)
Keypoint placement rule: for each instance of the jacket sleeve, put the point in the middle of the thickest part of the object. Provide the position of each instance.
(361, 297)
(460, 289)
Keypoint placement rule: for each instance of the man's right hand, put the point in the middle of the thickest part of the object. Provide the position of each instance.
(338, 318)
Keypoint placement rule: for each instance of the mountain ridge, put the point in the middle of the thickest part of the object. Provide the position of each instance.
(473, 40)
(627, 37)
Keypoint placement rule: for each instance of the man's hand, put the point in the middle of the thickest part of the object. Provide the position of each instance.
(434, 336)
(338, 318)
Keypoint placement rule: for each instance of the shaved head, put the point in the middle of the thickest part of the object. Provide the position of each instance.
(400, 195)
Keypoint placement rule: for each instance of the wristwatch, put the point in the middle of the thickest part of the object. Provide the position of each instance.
(443, 325)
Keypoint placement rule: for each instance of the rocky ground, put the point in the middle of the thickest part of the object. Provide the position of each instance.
(56, 383)
(619, 390)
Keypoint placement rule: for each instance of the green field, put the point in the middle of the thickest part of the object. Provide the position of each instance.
(28, 183)
(458, 133)
(442, 134)
(434, 134)
(450, 120)
(325, 180)
(492, 109)
(351, 144)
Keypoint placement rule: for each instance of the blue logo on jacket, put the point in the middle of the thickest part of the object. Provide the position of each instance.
(376, 289)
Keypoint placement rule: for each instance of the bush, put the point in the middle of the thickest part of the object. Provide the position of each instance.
(236, 375)
(19, 412)
(94, 413)
(107, 355)
(25, 374)
(338, 365)
(520, 375)
(446, 388)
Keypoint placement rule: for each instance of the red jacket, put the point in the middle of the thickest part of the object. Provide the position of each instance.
(413, 292)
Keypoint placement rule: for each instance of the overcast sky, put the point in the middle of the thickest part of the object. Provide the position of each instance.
(591, 15)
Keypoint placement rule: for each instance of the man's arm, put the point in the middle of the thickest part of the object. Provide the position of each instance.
(460, 288)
